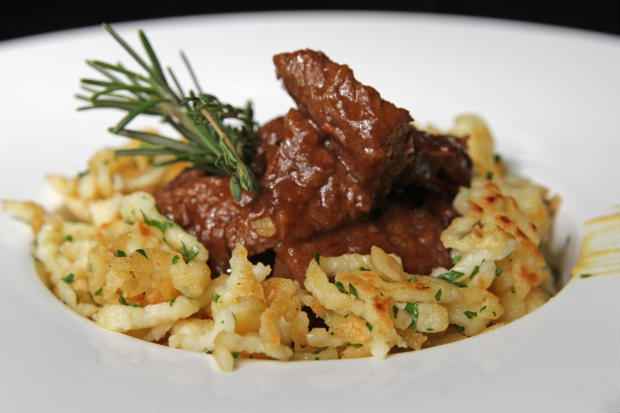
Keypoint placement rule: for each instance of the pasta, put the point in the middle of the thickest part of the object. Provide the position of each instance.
(131, 270)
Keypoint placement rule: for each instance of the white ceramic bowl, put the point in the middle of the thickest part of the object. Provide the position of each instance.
(551, 96)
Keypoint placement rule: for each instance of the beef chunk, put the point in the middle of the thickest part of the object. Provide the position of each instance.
(411, 233)
(440, 164)
(304, 190)
(323, 170)
(369, 135)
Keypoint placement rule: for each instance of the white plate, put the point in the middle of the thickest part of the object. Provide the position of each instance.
(552, 98)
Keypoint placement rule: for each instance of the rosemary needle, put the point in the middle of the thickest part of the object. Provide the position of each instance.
(218, 138)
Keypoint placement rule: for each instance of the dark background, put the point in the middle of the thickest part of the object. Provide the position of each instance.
(26, 19)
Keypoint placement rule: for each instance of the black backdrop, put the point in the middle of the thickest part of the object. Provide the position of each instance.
(25, 19)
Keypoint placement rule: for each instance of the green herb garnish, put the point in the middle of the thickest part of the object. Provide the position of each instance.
(475, 272)
(68, 238)
(353, 291)
(585, 275)
(142, 252)
(160, 225)
(188, 254)
(171, 302)
(498, 271)
(235, 355)
(216, 297)
(120, 253)
(456, 259)
(69, 278)
(340, 287)
(438, 295)
(122, 301)
(412, 309)
(83, 173)
(489, 175)
(220, 138)
(459, 328)
(175, 259)
(369, 326)
(452, 277)
(99, 291)
(470, 314)
(317, 257)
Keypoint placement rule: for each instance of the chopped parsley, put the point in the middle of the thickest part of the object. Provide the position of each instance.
(497, 158)
(122, 301)
(83, 173)
(120, 253)
(470, 314)
(475, 271)
(459, 328)
(171, 302)
(456, 259)
(340, 287)
(498, 271)
(175, 259)
(69, 278)
(99, 291)
(355, 345)
(364, 269)
(216, 297)
(353, 291)
(452, 277)
(489, 175)
(188, 254)
(513, 290)
(369, 326)
(429, 329)
(438, 295)
(160, 225)
(142, 252)
(317, 257)
(395, 311)
(235, 355)
(585, 275)
(484, 307)
(412, 309)
(68, 238)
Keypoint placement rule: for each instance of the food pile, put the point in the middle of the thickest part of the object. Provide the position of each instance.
(352, 232)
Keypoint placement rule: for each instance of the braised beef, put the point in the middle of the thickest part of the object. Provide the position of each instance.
(370, 136)
(304, 190)
(325, 172)
(440, 164)
(411, 233)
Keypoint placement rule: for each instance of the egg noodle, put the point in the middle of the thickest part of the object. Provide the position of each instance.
(113, 258)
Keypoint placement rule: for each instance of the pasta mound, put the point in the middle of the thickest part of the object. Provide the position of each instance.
(130, 270)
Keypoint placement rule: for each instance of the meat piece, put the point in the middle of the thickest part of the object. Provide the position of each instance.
(369, 135)
(203, 205)
(322, 167)
(441, 164)
(304, 190)
(411, 233)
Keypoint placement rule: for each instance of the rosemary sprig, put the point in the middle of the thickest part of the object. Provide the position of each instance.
(219, 138)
